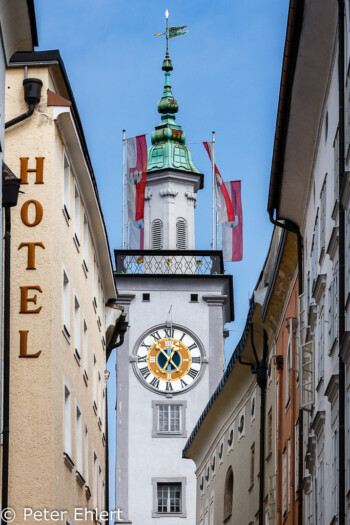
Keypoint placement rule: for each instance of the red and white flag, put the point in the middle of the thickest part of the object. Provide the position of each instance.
(224, 205)
(232, 231)
(136, 166)
(136, 235)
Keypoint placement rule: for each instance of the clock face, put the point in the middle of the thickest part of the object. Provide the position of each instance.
(168, 360)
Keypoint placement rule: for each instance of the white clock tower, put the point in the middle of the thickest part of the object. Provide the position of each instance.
(178, 300)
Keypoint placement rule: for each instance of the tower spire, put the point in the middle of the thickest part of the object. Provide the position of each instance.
(168, 148)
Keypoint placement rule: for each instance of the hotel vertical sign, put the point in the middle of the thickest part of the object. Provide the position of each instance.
(31, 215)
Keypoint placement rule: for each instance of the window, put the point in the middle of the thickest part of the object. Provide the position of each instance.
(100, 491)
(95, 281)
(77, 215)
(86, 351)
(334, 473)
(320, 495)
(288, 473)
(146, 297)
(336, 165)
(323, 217)
(284, 482)
(194, 298)
(220, 453)
(269, 432)
(314, 253)
(169, 419)
(157, 234)
(99, 400)
(86, 243)
(228, 494)
(79, 440)
(241, 426)
(181, 234)
(252, 461)
(77, 328)
(86, 449)
(320, 331)
(95, 480)
(67, 421)
(169, 497)
(95, 383)
(66, 187)
(66, 304)
(288, 370)
(230, 438)
(333, 311)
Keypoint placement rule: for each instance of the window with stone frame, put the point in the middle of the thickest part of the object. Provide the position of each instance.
(333, 311)
(169, 498)
(314, 253)
(334, 481)
(323, 210)
(320, 495)
(169, 418)
(320, 343)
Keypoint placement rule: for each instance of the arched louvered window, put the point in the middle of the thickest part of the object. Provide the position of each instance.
(157, 234)
(181, 234)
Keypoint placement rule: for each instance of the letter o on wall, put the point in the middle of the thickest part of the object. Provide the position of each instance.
(38, 213)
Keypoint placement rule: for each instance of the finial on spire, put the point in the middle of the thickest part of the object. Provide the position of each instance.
(171, 32)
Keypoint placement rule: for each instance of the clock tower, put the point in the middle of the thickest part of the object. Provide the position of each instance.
(178, 300)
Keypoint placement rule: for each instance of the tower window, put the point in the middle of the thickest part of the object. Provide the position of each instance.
(169, 497)
(146, 297)
(194, 298)
(181, 234)
(157, 234)
(169, 418)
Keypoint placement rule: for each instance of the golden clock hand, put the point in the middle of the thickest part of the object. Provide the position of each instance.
(169, 358)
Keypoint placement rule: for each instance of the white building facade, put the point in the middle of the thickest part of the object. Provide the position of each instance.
(177, 301)
(309, 190)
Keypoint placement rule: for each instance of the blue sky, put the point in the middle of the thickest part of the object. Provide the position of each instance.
(226, 78)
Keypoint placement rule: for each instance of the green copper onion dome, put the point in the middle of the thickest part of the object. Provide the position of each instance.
(168, 148)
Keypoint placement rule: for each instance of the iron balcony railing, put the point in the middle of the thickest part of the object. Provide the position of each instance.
(169, 262)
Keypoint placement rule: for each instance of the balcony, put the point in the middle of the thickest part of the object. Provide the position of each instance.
(169, 262)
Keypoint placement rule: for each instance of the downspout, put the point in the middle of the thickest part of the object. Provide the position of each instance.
(6, 391)
(293, 228)
(341, 309)
(107, 454)
(32, 90)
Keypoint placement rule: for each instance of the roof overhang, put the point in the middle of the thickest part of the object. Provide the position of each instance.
(169, 174)
(66, 125)
(308, 54)
(18, 26)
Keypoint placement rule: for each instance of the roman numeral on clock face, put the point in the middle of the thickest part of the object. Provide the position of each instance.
(196, 360)
(145, 372)
(183, 383)
(156, 336)
(146, 346)
(192, 347)
(169, 332)
(143, 359)
(169, 387)
(192, 373)
(155, 382)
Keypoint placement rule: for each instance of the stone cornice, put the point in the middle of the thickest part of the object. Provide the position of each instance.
(332, 388)
(125, 299)
(318, 422)
(319, 287)
(215, 300)
(333, 243)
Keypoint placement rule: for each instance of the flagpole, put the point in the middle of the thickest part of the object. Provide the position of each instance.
(166, 31)
(213, 170)
(123, 192)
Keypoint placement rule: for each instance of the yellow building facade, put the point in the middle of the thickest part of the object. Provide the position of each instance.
(61, 280)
